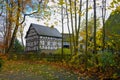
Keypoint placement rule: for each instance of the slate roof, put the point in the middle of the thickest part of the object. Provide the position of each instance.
(46, 31)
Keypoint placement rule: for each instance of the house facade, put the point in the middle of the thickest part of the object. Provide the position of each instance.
(42, 38)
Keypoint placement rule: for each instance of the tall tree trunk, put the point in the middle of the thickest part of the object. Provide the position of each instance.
(86, 30)
(76, 34)
(71, 50)
(71, 16)
(21, 32)
(103, 21)
(86, 27)
(95, 46)
(16, 27)
(8, 24)
(62, 30)
(79, 23)
(95, 51)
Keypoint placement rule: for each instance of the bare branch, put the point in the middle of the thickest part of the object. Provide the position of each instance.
(31, 13)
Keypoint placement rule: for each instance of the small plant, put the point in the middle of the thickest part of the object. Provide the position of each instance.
(2, 59)
(1, 63)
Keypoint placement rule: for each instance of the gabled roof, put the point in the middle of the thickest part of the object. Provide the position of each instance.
(46, 31)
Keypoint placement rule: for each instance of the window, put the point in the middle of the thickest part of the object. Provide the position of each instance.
(51, 45)
(57, 45)
(45, 43)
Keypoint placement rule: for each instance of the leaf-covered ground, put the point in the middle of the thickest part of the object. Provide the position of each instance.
(26, 70)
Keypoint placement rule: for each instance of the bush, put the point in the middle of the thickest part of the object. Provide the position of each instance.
(17, 48)
(106, 59)
(3, 58)
(91, 60)
(1, 63)
(24, 56)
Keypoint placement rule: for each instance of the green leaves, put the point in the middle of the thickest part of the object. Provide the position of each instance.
(106, 59)
(113, 30)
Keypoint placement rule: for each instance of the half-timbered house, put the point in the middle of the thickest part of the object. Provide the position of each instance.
(42, 38)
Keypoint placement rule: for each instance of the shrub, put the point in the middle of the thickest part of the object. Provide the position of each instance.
(17, 48)
(91, 60)
(12, 56)
(2, 58)
(106, 59)
(1, 63)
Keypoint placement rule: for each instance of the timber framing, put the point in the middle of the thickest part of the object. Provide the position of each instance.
(40, 37)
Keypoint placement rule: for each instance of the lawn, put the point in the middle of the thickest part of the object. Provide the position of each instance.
(30, 70)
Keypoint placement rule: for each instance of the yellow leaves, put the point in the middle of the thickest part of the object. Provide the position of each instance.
(46, 1)
(61, 2)
(112, 5)
(90, 7)
(115, 76)
(118, 9)
(55, 22)
(52, 26)
(68, 9)
(81, 13)
(8, 9)
(3, 57)
(118, 0)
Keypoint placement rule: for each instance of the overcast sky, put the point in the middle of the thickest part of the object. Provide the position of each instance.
(56, 17)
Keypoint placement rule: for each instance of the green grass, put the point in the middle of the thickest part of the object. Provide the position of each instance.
(26, 70)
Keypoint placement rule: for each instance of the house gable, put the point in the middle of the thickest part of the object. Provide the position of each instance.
(31, 32)
(42, 38)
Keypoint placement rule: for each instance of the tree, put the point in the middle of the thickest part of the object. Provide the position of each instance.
(71, 17)
(62, 19)
(70, 37)
(19, 9)
(86, 31)
(90, 28)
(75, 14)
(95, 51)
(103, 22)
(112, 31)
(21, 34)
(15, 13)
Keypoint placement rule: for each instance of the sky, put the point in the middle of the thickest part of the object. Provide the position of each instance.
(56, 17)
